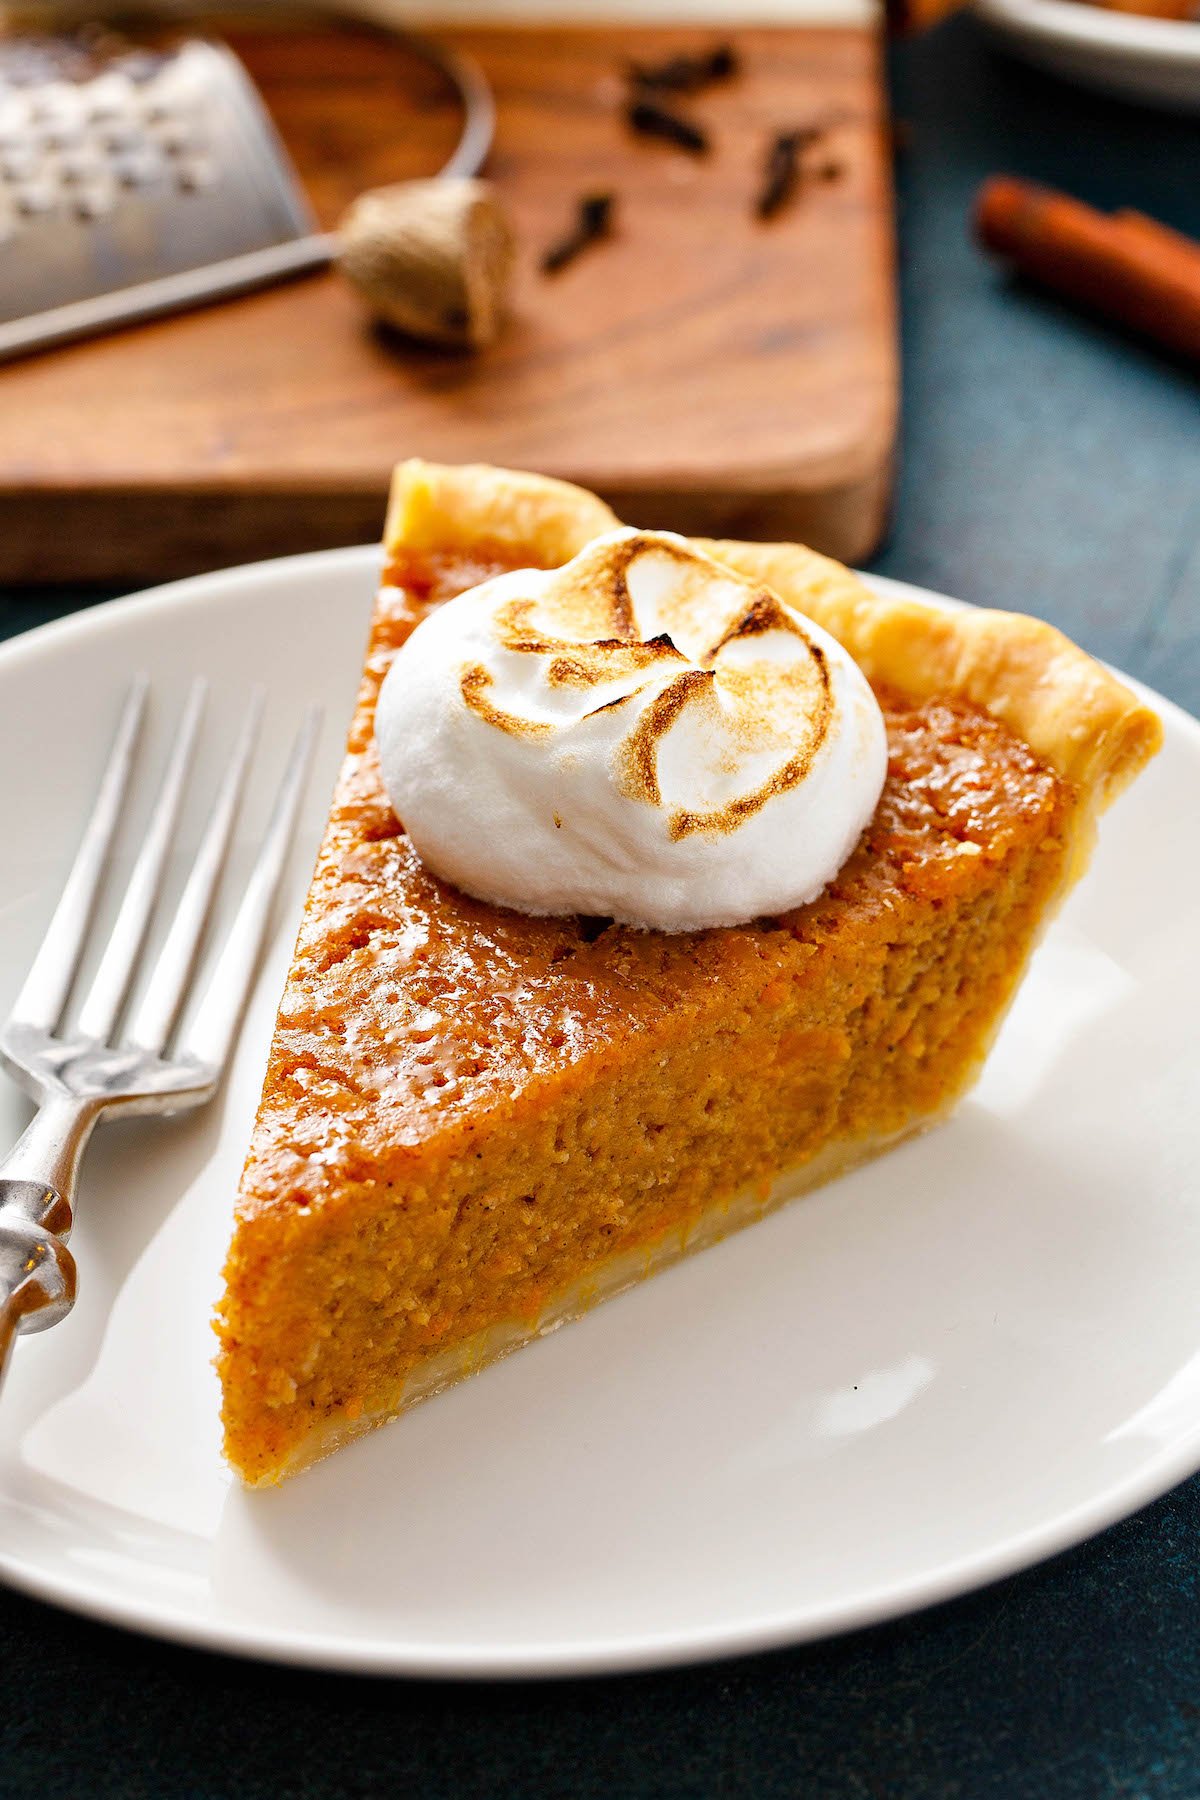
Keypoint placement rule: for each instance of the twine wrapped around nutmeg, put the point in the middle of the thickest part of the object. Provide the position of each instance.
(432, 258)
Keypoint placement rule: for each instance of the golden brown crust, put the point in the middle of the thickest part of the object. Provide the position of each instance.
(435, 506)
(1086, 724)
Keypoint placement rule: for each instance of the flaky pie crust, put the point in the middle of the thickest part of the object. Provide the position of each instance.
(1090, 728)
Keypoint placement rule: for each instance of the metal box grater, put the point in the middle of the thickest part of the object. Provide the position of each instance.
(133, 180)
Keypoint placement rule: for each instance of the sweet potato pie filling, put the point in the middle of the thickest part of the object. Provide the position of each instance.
(469, 1113)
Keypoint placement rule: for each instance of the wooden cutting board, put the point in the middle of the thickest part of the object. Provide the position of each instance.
(703, 369)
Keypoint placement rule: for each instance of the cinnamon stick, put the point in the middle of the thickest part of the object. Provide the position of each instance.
(1122, 265)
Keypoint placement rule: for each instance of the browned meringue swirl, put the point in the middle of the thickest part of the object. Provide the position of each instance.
(642, 734)
(592, 630)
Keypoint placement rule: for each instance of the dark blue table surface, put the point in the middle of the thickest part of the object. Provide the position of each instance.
(1047, 463)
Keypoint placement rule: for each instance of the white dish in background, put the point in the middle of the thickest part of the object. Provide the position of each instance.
(936, 1371)
(1156, 61)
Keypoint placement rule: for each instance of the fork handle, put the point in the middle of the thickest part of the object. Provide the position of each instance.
(37, 1192)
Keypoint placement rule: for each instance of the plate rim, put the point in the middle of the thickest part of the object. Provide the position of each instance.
(1061, 22)
(377, 1655)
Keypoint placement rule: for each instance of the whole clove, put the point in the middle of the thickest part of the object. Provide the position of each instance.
(593, 220)
(652, 120)
(782, 170)
(687, 74)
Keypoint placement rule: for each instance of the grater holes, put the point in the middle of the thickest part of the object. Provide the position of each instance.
(136, 171)
(108, 102)
(122, 138)
(75, 170)
(92, 204)
(18, 164)
(176, 138)
(52, 106)
(193, 176)
(68, 135)
(33, 200)
(137, 189)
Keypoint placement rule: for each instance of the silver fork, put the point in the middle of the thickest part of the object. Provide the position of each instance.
(98, 1065)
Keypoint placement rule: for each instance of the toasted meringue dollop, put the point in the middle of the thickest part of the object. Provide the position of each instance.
(641, 735)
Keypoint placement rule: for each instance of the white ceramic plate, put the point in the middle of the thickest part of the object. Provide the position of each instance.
(1152, 60)
(931, 1373)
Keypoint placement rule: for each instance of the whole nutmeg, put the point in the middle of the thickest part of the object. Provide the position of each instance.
(432, 258)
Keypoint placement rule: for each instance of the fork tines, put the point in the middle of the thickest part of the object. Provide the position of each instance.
(208, 1036)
